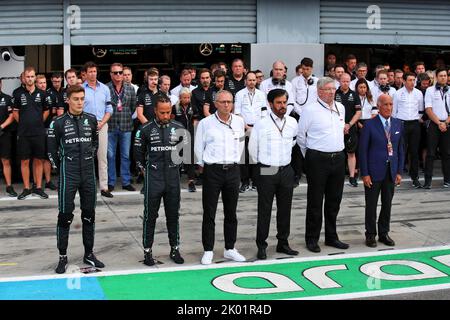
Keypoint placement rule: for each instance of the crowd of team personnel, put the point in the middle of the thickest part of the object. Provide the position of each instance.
(228, 118)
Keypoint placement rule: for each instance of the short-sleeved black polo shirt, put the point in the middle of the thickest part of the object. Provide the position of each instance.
(57, 102)
(31, 107)
(201, 96)
(351, 102)
(6, 107)
(146, 98)
(233, 85)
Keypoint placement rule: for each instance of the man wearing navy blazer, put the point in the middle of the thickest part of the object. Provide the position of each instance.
(381, 157)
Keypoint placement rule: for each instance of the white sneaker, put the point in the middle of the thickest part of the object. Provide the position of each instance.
(207, 257)
(233, 254)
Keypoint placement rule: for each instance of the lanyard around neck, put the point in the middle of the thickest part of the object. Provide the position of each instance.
(223, 122)
(280, 130)
(332, 110)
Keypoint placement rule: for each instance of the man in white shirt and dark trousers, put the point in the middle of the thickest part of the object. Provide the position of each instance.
(305, 92)
(270, 146)
(218, 145)
(437, 107)
(321, 140)
(251, 105)
(408, 107)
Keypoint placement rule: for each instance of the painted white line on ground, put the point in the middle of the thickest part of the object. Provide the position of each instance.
(377, 293)
(226, 264)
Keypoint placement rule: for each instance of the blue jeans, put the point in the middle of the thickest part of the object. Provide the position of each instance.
(124, 139)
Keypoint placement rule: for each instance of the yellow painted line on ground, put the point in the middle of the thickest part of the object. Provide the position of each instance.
(8, 264)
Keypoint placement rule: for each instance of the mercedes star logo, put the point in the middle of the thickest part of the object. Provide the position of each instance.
(99, 52)
(206, 49)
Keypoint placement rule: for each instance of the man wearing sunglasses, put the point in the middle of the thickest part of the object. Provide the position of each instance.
(123, 101)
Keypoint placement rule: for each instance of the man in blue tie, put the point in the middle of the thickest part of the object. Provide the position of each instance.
(381, 157)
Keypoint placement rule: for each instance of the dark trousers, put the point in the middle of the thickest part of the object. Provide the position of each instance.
(248, 170)
(297, 161)
(190, 171)
(161, 182)
(435, 139)
(189, 159)
(278, 184)
(387, 187)
(325, 173)
(296, 156)
(411, 136)
(216, 180)
(72, 180)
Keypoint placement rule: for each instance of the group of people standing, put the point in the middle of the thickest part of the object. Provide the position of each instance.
(233, 132)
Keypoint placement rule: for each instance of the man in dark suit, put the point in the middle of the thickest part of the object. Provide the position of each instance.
(381, 157)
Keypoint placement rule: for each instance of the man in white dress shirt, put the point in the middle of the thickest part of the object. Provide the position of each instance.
(321, 140)
(270, 147)
(185, 81)
(374, 82)
(251, 105)
(278, 81)
(218, 145)
(408, 107)
(361, 73)
(164, 86)
(381, 86)
(304, 86)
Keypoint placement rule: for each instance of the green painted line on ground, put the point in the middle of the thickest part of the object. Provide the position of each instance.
(292, 280)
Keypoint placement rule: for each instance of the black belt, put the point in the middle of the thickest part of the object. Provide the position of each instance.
(328, 154)
(225, 166)
(250, 125)
(410, 121)
(280, 168)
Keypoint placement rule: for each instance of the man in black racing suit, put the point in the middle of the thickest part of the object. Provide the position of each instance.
(72, 144)
(157, 147)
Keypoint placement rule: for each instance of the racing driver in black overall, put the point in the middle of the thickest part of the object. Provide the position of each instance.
(158, 144)
(72, 144)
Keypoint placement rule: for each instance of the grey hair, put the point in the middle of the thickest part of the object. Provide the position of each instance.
(278, 61)
(220, 92)
(184, 90)
(323, 82)
(164, 77)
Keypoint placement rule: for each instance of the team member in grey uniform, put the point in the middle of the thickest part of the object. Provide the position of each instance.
(72, 144)
(157, 147)
(218, 146)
